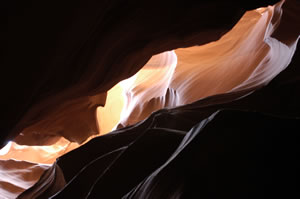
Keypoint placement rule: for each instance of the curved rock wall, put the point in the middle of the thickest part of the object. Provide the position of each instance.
(230, 138)
(63, 58)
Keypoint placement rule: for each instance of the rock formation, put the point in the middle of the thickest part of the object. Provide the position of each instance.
(208, 106)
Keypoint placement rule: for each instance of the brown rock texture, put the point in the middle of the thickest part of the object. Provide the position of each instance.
(150, 99)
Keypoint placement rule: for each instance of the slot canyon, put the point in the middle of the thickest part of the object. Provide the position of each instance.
(150, 99)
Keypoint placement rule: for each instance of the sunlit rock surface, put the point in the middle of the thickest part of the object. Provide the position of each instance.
(63, 59)
(245, 58)
(37, 154)
(17, 176)
(225, 118)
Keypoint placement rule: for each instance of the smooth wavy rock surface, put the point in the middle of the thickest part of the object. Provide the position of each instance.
(219, 119)
(63, 59)
(218, 67)
(17, 176)
(240, 142)
(37, 154)
(196, 151)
